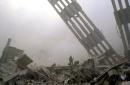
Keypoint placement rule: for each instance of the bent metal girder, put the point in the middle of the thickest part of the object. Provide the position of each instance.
(85, 31)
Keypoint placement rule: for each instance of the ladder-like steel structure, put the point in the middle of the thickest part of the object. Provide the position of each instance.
(122, 16)
(85, 31)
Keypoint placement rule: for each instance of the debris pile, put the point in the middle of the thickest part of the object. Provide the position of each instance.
(12, 62)
(73, 74)
(14, 70)
(117, 75)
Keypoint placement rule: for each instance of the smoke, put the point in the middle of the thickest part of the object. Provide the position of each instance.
(36, 28)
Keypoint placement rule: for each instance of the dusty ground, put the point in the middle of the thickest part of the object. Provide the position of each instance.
(125, 83)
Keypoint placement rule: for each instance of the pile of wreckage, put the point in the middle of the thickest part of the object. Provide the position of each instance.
(14, 70)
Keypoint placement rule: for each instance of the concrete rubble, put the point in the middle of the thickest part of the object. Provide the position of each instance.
(14, 70)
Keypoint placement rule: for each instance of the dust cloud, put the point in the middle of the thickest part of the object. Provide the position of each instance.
(36, 28)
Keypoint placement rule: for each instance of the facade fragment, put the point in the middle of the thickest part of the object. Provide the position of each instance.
(85, 31)
(122, 16)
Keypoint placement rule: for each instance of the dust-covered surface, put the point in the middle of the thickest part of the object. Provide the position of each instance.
(15, 71)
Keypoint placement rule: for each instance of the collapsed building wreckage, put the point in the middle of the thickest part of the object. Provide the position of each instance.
(12, 61)
(105, 68)
(91, 38)
(14, 70)
(73, 74)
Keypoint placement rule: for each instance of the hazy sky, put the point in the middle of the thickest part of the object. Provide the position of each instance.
(36, 28)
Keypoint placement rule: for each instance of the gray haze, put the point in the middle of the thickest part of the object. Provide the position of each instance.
(37, 29)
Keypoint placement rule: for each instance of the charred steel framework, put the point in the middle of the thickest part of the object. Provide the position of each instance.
(122, 15)
(85, 31)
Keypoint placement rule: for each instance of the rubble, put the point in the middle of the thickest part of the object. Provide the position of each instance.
(117, 75)
(73, 74)
(66, 75)
(12, 62)
(14, 70)
(105, 68)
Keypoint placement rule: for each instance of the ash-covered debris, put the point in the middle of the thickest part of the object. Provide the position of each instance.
(14, 70)
(117, 75)
(12, 62)
(73, 74)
